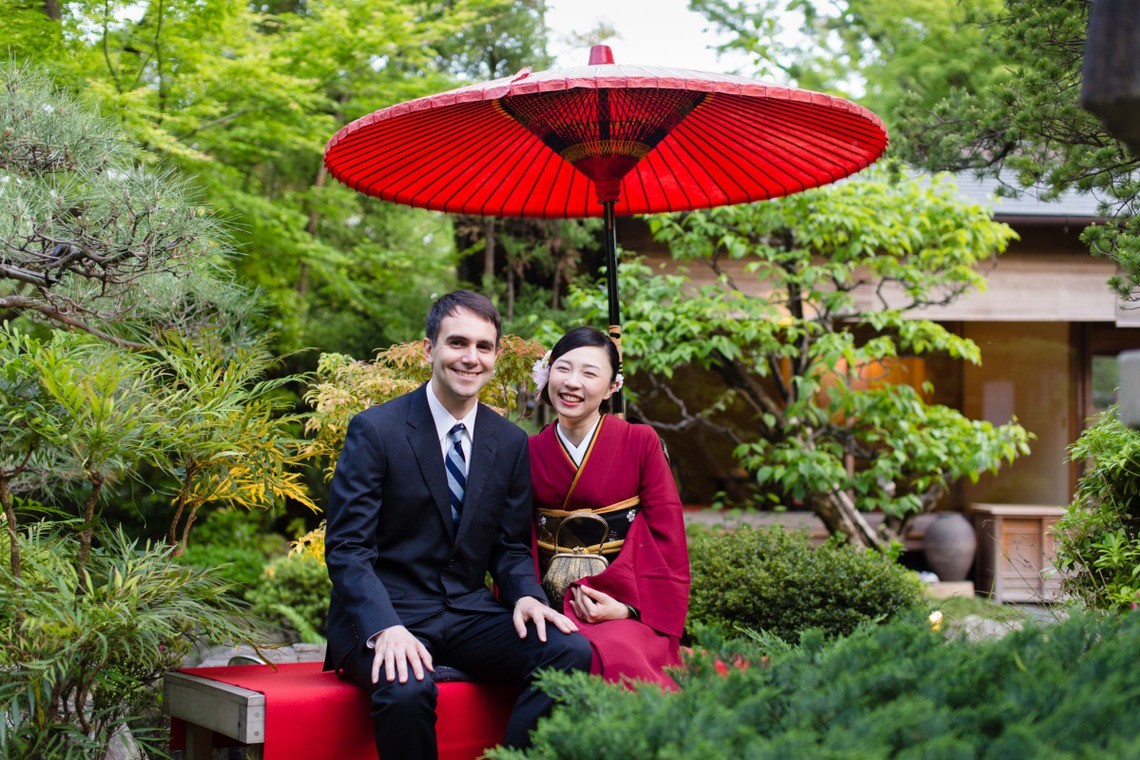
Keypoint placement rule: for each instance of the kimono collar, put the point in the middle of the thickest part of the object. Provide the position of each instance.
(577, 453)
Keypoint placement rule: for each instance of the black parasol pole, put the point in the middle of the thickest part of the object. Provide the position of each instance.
(617, 401)
(608, 189)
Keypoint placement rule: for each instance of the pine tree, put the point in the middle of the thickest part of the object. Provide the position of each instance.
(92, 238)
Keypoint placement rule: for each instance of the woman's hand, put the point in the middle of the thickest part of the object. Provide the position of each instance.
(593, 606)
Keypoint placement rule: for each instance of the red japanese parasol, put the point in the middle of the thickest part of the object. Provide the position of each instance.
(604, 140)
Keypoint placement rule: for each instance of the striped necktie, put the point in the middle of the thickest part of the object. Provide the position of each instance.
(456, 465)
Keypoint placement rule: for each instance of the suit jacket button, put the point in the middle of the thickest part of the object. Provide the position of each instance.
(450, 564)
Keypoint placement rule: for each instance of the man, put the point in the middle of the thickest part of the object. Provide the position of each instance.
(431, 492)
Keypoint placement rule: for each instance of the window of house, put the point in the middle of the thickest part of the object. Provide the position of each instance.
(1104, 379)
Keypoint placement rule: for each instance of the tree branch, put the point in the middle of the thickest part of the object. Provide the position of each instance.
(56, 314)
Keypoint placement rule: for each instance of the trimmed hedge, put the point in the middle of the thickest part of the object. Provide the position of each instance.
(897, 690)
(773, 580)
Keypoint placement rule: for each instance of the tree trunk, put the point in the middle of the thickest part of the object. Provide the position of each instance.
(311, 228)
(52, 9)
(510, 293)
(13, 536)
(839, 515)
(172, 534)
(88, 531)
(160, 65)
(556, 286)
(488, 255)
(181, 501)
(185, 541)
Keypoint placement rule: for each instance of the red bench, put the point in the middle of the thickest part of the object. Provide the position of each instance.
(296, 710)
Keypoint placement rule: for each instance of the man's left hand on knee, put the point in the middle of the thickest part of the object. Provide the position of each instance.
(529, 609)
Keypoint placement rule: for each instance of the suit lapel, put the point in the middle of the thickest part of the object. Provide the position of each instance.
(484, 449)
(424, 443)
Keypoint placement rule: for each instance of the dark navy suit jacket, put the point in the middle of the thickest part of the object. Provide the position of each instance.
(394, 554)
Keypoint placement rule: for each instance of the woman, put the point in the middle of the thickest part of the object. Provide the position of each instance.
(633, 612)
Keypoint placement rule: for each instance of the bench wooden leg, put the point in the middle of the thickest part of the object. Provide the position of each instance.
(199, 743)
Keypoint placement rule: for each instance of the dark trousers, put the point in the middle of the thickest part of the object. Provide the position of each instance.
(486, 647)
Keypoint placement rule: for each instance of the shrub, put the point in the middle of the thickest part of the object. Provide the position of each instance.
(82, 647)
(293, 592)
(774, 580)
(1098, 540)
(236, 543)
(895, 690)
(239, 565)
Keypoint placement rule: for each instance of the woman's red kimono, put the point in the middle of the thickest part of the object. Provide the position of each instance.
(651, 571)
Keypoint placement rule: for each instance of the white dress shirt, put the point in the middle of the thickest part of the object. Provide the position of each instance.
(444, 422)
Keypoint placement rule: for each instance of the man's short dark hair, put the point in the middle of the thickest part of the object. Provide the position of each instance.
(449, 304)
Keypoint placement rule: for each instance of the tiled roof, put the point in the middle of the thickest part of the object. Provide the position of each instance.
(1070, 204)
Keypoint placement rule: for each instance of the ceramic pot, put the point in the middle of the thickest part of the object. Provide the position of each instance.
(949, 546)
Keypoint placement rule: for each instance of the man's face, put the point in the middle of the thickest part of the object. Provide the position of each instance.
(462, 359)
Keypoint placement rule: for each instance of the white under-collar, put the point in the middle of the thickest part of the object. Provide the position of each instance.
(577, 453)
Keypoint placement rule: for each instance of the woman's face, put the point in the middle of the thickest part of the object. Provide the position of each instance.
(580, 380)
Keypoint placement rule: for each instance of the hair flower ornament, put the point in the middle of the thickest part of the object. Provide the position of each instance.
(540, 372)
(619, 381)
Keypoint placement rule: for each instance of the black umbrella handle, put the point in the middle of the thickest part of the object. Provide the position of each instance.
(617, 401)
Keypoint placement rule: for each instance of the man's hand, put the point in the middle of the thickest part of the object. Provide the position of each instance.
(593, 606)
(396, 649)
(529, 608)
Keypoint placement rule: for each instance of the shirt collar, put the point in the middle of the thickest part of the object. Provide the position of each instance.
(443, 419)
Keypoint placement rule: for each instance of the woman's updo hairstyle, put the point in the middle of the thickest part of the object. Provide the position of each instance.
(578, 338)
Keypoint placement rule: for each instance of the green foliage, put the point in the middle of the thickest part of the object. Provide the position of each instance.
(896, 690)
(1031, 124)
(542, 256)
(933, 448)
(897, 56)
(293, 592)
(1098, 539)
(235, 544)
(83, 417)
(243, 98)
(92, 413)
(979, 85)
(496, 38)
(19, 441)
(1030, 130)
(82, 650)
(843, 271)
(985, 86)
(28, 32)
(122, 255)
(774, 581)
(83, 225)
(238, 565)
(228, 437)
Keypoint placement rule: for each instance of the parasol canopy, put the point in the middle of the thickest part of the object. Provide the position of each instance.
(604, 140)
